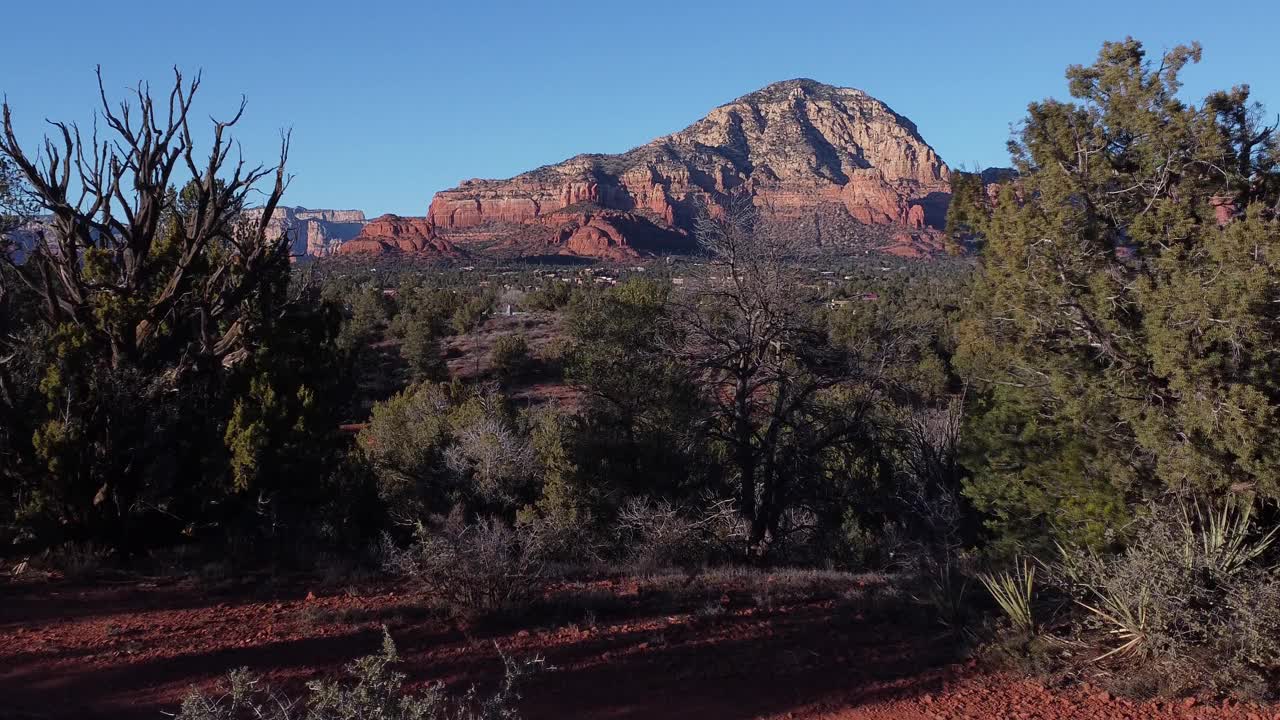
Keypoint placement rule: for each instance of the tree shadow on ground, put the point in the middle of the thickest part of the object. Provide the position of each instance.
(634, 660)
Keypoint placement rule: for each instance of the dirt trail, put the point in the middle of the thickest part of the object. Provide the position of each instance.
(132, 650)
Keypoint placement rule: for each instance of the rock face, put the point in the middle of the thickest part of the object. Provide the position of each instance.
(612, 235)
(792, 147)
(392, 234)
(315, 233)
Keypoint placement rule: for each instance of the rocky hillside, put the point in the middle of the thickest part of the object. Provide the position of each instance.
(833, 160)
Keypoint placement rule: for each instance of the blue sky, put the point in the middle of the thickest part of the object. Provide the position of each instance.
(390, 101)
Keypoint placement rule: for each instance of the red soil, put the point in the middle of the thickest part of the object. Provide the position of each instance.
(131, 650)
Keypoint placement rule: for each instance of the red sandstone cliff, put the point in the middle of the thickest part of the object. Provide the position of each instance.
(392, 233)
(793, 147)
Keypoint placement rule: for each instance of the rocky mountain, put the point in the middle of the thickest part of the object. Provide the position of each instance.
(834, 161)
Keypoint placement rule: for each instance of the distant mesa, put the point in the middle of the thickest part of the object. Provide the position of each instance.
(314, 233)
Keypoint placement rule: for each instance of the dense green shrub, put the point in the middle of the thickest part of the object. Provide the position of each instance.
(1119, 342)
(565, 500)
(433, 307)
(510, 357)
(422, 316)
(638, 428)
(421, 351)
(368, 310)
(552, 296)
(472, 313)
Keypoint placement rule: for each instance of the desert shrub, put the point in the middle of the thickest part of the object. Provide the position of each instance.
(1189, 604)
(374, 691)
(434, 446)
(656, 534)
(862, 546)
(244, 697)
(421, 350)
(472, 314)
(551, 296)
(510, 356)
(491, 459)
(77, 561)
(472, 569)
(943, 582)
(405, 443)
(930, 533)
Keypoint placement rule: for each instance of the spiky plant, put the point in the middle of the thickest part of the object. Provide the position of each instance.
(1012, 591)
(1128, 620)
(1225, 536)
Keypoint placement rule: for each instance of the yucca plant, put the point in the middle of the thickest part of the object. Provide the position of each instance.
(1012, 591)
(945, 592)
(1070, 566)
(1126, 615)
(1223, 536)
(1128, 621)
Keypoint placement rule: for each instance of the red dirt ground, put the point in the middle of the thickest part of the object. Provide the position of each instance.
(620, 649)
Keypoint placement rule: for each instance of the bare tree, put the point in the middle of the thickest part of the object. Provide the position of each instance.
(495, 457)
(928, 478)
(109, 200)
(16, 210)
(781, 393)
(141, 296)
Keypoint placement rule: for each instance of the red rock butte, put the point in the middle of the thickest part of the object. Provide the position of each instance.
(794, 147)
(392, 233)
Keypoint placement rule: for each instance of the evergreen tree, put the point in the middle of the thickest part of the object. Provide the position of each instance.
(159, 372)
(967, 211)
(1123, 331)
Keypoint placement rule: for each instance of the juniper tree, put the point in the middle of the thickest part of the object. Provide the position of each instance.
(1123, 331)
(149, 300)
